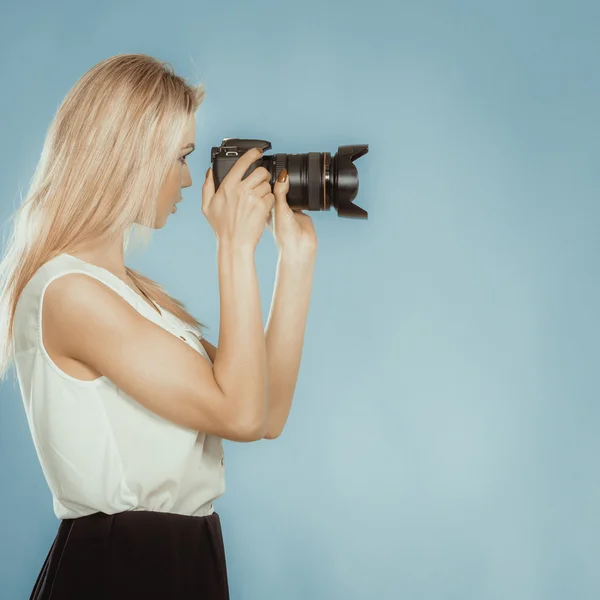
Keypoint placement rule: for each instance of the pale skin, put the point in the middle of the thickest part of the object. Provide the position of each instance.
(182, 387)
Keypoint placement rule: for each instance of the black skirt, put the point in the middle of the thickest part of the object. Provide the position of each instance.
(135, 554)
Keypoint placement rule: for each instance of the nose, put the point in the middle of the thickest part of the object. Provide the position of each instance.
(186, 179)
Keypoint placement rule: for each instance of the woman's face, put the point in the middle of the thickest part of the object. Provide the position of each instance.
(178, 178)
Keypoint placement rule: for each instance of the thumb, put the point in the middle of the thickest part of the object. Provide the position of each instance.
(208, 188)
(281, 187)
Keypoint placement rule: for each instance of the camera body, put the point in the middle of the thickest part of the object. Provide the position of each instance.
(317, 181)
(226, 155)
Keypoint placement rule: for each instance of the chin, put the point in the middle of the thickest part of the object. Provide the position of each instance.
(159, 224)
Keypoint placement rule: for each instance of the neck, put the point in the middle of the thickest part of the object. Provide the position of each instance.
(106, 254)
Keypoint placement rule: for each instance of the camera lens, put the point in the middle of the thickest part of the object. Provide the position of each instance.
(319, 181)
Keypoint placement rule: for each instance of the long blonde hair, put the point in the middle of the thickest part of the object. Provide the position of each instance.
(107, 151)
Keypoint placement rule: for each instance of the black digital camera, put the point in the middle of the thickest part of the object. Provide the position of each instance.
(317, 181)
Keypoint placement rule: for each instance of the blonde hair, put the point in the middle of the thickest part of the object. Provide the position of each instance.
(107, 151)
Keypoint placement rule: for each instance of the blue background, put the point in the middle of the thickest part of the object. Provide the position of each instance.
(444, 436)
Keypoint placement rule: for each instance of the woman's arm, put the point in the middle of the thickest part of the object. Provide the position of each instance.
(210, 349)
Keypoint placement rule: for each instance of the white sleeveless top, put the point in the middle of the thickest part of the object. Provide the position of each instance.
(99, 449)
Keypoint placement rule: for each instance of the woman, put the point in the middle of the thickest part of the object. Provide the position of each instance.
(126, 402)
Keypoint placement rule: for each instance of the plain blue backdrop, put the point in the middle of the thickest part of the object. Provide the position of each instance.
(444, 437)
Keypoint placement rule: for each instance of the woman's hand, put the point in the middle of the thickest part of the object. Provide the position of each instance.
(293, 230)
(237, 211)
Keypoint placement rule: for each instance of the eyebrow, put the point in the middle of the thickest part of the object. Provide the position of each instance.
(192, 146)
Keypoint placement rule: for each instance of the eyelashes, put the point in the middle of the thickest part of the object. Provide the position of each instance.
(182, 159)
